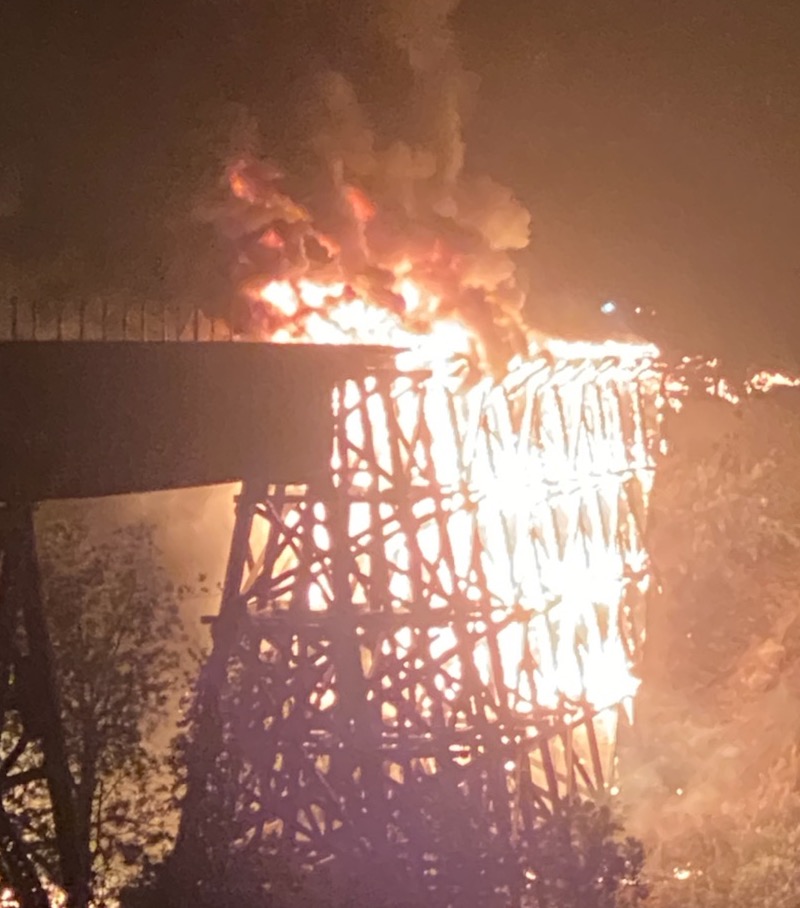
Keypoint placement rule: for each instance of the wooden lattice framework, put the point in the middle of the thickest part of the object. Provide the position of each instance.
(457, 608)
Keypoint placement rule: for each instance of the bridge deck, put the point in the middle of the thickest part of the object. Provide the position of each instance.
(87, 419)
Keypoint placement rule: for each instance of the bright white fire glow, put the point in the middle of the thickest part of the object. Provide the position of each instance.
(56, 897)
(698, 372)
(557, 542)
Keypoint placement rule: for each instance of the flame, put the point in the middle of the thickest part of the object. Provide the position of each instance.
(309, 312)
(360, 203)
(699, 372)
(765, 381)
(55, 895)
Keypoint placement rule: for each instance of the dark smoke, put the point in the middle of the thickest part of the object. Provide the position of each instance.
(10, 191)
(421, 30)
(367, 206)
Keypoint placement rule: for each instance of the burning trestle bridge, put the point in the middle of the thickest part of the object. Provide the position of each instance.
(436, 584)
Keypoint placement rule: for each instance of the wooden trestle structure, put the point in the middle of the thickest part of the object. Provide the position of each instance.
(452, 614)
(96, 418)
(435, 591)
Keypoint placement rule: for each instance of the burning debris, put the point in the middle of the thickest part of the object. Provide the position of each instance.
(701, 375)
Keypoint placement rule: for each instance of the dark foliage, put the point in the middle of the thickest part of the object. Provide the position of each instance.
(117, 638)
(574, 860)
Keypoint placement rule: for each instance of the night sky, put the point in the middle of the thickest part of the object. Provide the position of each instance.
(656, 143)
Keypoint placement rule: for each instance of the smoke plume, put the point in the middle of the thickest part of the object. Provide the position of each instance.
(422, 31)
(371, 210)
(10, 191)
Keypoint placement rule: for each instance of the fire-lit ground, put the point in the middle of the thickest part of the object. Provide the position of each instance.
(709, 774)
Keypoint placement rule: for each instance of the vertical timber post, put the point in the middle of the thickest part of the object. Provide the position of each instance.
(206, 744)
(22, 604)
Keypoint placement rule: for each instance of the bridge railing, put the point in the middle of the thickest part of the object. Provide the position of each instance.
(107, 319)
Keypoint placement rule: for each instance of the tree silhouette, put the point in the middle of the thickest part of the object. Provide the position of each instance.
(117, 639)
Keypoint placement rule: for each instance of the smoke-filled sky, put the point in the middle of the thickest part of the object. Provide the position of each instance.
(656, 144)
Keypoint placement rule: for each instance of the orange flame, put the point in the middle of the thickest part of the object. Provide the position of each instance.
(361, 205)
